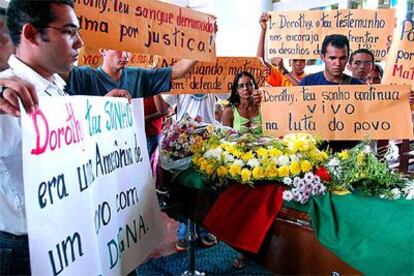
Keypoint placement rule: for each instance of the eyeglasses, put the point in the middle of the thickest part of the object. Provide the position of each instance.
(248, 85)
(363, 63)
(72, 31)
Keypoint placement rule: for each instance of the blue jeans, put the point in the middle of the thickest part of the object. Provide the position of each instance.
(14, 254)
(182, 231)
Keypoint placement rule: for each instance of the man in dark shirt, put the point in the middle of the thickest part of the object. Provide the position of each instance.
(115, 74)
(335, 55)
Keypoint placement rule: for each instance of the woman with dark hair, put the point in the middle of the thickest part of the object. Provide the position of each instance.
(243, 114)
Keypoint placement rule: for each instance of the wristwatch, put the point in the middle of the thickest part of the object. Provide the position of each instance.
(285, 71)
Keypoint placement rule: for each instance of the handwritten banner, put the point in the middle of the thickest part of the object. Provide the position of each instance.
(400, 62)
(349, 112)
(92, 57)
(147, 27)
(300, 34)
(217, 77)
(205, 77)
(90, 200)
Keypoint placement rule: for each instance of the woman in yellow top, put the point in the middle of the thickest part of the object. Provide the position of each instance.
(243, 114)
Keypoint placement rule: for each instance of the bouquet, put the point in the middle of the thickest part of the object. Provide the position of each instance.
(358, 170)
(249, 159)
(180, 139)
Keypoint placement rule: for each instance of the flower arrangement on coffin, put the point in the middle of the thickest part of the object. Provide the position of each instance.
(249, 159)
(296, 162)
(358, 170)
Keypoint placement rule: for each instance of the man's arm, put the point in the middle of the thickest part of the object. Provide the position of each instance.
(181, 68)
(278, 62)
(263, 25)
(161, 106)
(16, 88)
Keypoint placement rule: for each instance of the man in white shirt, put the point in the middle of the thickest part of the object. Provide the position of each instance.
(47, 40)
(6, 46)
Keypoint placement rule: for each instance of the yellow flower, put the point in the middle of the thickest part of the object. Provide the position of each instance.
(203, 165)
(305, 165)
(247, 156)
(235, 170)
(294, 167)
(319, 155)
(237, 153)
(209, 169)
(275, 152)
(262, 152)
(360, 158)
(298, 145)
(246, 175)
(258, 173)
(283, 171)
(196, 159)
(344, 154)
(272, 171)
(222, 171)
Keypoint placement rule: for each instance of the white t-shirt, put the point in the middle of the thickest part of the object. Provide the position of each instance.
(195, 105)
(12, 207)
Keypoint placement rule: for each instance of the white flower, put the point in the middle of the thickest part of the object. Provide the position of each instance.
(228, 158)
(367, 149)
(213, 153)
(239, 162)
(409, 190)
(253, 163)
(283, 160)
(392, 153)
(396, 193)
(287, 195)
(287, 181)
(333, 162)
(293, 157)
(309, 176)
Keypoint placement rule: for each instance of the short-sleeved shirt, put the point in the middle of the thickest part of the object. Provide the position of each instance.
(319, 79)
(139, 82)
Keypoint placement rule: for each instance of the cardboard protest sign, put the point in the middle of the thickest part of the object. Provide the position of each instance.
(205, 77)
(92, 58)
(348, 112)
(218, 76)
(300, 34)
(400, 62)
(147, 27)
(90, 200)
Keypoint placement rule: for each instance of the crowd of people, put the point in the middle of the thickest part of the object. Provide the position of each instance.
(50, 28)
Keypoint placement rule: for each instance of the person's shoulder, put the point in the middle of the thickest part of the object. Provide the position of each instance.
(311, 78)
(82, 71)
(355, 81)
